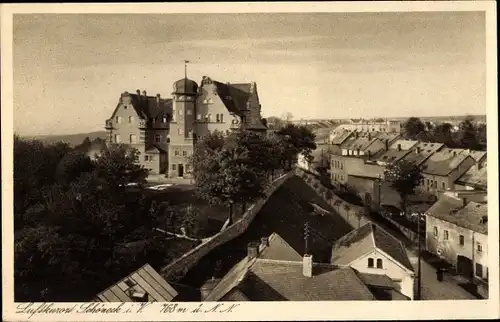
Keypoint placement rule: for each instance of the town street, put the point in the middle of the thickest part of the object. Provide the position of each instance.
(432, 289)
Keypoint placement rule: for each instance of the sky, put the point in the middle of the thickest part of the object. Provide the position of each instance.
(69, 69)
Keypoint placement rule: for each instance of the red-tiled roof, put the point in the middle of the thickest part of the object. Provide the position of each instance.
(366, 239)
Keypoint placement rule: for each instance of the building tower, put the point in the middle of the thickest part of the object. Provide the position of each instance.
(181, 127)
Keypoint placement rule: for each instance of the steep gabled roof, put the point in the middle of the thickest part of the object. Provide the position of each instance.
(364, 240)
(476, 177)
(451, 210)
(443, 163)
(148, 107)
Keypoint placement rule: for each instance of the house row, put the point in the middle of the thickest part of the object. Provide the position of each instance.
(367, 264)
(357, 161)
(457, 231)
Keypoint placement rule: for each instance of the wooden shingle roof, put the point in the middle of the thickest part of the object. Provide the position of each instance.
(143, 285)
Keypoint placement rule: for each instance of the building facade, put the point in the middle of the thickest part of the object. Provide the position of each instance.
(164, 131)
(391, 126)
(457, 231)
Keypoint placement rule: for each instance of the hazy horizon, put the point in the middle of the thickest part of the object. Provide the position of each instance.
(69, 70)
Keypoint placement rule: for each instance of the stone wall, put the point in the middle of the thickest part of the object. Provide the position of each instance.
(179, 267)
(355, 215)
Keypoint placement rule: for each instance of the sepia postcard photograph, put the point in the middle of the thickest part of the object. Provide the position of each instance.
(249, 161)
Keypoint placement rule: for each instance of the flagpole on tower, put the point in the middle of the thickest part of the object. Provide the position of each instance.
(185, 68)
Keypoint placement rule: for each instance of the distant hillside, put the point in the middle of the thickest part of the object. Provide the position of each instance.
(71, 139)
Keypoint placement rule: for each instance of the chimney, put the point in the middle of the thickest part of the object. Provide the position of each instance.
(264, 241)
(369, 154)
(208, 287)
(144, 93)
(465, 201)
(399, 147)
(307, 265)
(454, 153)
(158, 99)
(253, 250)
(386, 144)
(138, 93)
(417, 150)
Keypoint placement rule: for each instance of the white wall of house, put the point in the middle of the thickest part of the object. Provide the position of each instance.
(403, 277)
(450, 241)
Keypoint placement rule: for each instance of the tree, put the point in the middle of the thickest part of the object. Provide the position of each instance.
(118, 165)
(72, 166)
(442, 134)
(275, 122)
(404, 177)
(34, 168)
(412, 127)
(297, 139)
(482, 135)
(288, 117)
(467, 136)
(228, 173)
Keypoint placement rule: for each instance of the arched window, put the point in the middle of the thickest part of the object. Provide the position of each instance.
(221, 118)
(217, 117)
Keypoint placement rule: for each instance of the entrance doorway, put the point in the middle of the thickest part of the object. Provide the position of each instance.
(181, 170)
(464, 266)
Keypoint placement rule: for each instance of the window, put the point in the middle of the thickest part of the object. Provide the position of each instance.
(180, 131)
(461, 240)
(446, 235)
(435, 231)
(157, 138)
(379, 263)
(174, 167)
(479, 270)
(479, 248)
(189, 111)
(146, 157)
(205, 101)
(176, 153)
(180, 112)
(117, 138)
(217, 117)
(443, 185)
(184, 153)
(118, 119)
(210, 101)
(370, 262)
(164, 119)
(209, 117)
(130, 119)
(133, 138)
(221, 118)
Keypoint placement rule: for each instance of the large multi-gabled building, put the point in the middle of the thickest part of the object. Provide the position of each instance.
(164, 130)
